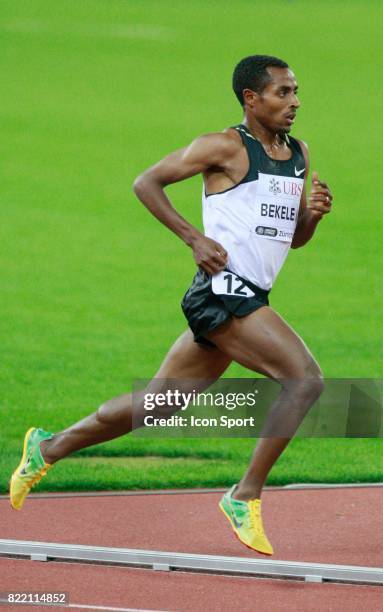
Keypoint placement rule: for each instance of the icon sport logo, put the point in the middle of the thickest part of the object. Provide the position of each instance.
(298, 172)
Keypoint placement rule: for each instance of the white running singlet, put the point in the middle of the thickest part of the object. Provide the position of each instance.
(256, 219)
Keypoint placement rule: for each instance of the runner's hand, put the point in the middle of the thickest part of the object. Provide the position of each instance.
(209, 255)
(320, 199)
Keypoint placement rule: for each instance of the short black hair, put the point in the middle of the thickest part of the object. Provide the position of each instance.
(251, 73)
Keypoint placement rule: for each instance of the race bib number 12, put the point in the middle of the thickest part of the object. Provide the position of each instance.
(227, 283)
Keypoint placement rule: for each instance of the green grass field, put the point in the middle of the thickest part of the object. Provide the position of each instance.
(95, 92)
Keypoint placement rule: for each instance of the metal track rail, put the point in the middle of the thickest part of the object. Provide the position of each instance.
(157, 560)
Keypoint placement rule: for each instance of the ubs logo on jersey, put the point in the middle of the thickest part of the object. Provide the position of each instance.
(274, 186)
(290, 188)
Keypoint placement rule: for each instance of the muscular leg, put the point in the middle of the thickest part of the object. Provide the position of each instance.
(264, 343)
(185, 360)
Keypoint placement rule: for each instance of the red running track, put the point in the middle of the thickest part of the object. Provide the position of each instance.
(180, 592)
(341, 526)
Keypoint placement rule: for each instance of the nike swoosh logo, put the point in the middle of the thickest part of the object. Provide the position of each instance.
(298, 172)
(238, 525)
(25, 466)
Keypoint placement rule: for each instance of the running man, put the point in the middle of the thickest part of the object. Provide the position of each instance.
(254, 210)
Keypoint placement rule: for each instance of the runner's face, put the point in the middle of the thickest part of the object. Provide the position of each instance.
(276, 106)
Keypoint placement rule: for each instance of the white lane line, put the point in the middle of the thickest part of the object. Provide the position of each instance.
(111, 609)
(82, 606)
(318, 485)
(56, 495)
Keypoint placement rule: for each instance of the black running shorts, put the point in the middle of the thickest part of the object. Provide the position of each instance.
(206, 305)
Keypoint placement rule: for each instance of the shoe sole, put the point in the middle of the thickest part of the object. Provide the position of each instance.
(26, 438)
(261, 552)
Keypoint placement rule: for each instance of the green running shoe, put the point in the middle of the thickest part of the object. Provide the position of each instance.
(31, 468)
(246, 521)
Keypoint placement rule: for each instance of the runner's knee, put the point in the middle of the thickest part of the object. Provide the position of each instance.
(314, 379)
(311, 388)
(308, 385)
(104, 414)
(115, 410)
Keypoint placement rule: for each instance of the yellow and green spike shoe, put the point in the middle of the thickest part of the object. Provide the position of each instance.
(31, 468)
(246, 521)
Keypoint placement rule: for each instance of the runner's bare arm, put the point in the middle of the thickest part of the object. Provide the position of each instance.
(320, 200)
(210, 150)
